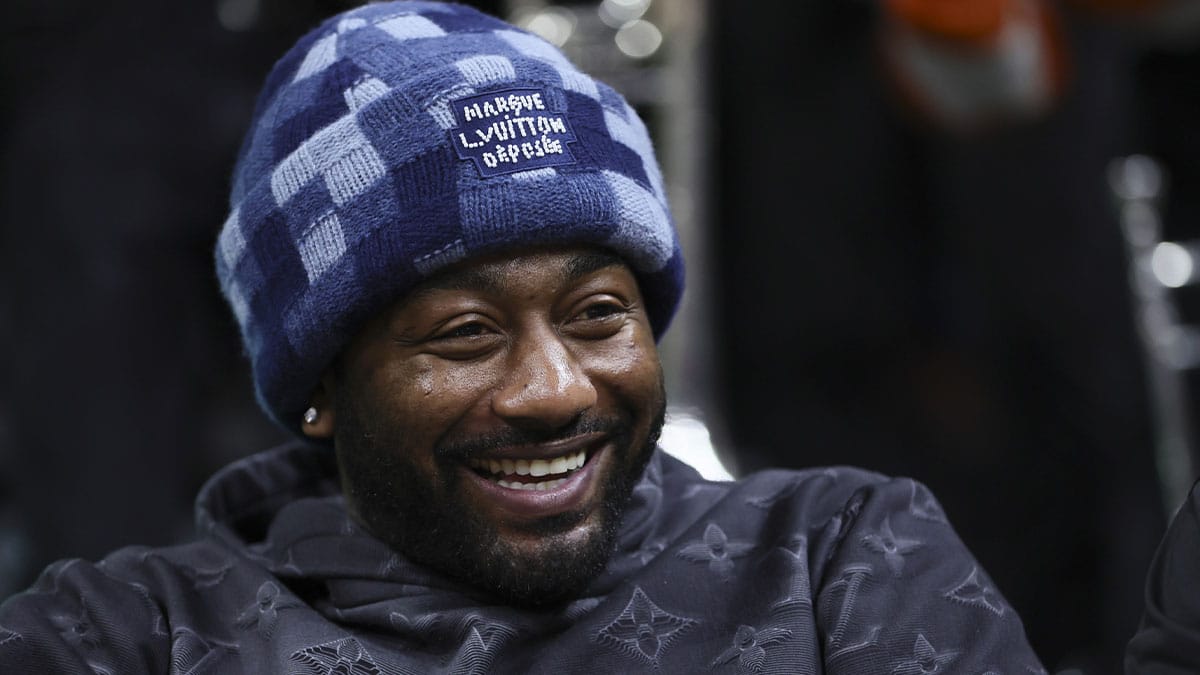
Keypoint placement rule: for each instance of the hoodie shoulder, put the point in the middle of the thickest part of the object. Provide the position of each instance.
(145, 610)
(152, 610)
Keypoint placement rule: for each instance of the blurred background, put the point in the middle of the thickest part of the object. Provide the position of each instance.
(948, 239)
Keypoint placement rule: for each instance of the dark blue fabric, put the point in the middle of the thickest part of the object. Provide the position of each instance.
(1168, 640)
(290, 133)
(824, 571)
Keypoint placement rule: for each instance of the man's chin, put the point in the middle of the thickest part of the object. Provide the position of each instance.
(436, 521)
(544, 569)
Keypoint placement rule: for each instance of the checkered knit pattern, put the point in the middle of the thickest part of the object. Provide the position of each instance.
(399, 138)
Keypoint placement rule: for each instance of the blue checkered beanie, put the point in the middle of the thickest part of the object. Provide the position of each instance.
(402, 137)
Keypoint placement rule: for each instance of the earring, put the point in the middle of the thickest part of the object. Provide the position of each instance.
(310, 416)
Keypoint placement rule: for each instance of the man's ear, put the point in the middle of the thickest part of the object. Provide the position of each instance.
(321, 402)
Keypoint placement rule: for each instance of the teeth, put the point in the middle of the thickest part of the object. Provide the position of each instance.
(540, 487)
(532, 467)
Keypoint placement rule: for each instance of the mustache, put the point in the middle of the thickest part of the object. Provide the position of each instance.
(458, 450)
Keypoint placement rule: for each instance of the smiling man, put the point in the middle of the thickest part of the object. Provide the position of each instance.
(511, 405)
(450, 257)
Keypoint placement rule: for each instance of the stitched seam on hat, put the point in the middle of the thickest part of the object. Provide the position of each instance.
(439, 251)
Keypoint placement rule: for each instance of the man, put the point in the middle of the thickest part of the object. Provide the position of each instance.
(450, 256)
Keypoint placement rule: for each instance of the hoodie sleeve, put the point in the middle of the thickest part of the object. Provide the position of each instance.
(77, 619)
(1168, 640)
(899, 592)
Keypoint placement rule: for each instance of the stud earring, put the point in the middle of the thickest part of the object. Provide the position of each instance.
(310, 416)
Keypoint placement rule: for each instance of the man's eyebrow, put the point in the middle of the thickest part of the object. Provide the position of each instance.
(469, 279)
(489, 280)
(584, 264)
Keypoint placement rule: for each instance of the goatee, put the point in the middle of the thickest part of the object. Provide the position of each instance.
(426, 519)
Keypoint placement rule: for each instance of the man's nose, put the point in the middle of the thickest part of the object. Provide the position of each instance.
(546, 386)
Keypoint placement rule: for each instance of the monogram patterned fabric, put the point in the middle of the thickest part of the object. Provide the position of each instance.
(824, 571)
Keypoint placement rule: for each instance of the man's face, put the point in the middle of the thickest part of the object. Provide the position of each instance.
(493, 423)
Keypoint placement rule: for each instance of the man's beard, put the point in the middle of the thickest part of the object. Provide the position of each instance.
(427, 520)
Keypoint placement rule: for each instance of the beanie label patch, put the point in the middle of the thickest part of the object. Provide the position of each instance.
(510, 130)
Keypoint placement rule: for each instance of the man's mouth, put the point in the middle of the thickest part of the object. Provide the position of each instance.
(530, 474)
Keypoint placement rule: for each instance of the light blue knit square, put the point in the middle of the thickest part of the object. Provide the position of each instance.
(350, 24)
(322, 246)
(353, 173)
(322, 55)
(293, 173)
(480, 70)
(533, 175)
(643, 228)
(330, 144)
(363, 92)
(534, 47)
(238, 301)
(231, 241)
(573, 80)
(410, 27)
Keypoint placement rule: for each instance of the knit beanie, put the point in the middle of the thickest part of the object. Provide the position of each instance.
(402, 137)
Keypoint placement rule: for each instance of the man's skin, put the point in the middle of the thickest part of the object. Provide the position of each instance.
(539, 355)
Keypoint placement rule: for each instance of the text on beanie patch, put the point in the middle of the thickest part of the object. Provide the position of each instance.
(510, 130)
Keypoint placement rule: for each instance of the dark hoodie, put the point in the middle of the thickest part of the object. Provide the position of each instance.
(822, 571)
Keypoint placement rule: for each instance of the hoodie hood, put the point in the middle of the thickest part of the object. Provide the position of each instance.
(284, 509)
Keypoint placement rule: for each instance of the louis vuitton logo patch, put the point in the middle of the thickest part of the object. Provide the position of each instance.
(511, 130)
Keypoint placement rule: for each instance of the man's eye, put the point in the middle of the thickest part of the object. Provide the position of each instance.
(466, 330)
(598, 320)
(468, 340)
(602, 311)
